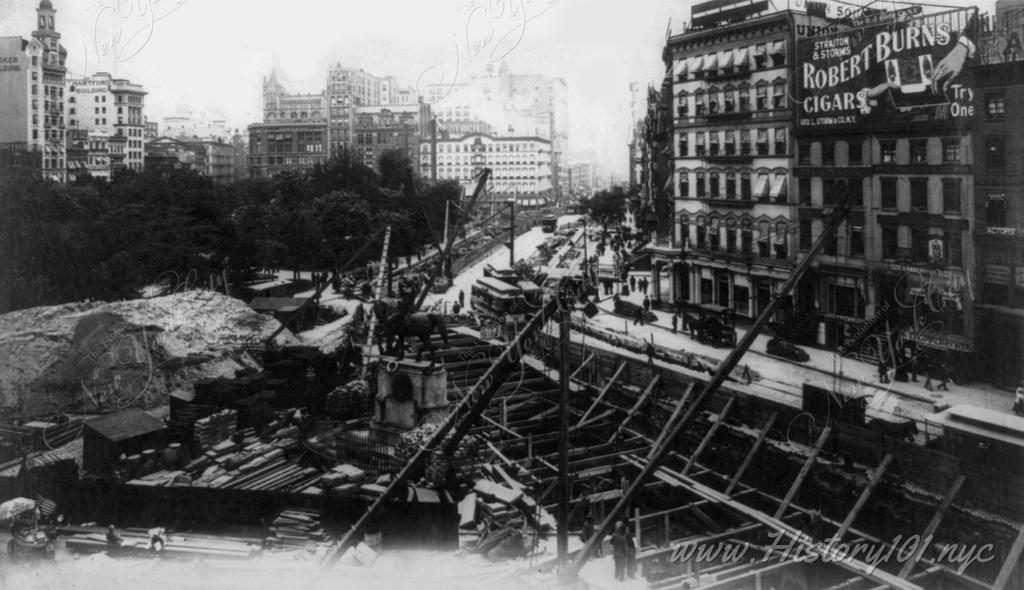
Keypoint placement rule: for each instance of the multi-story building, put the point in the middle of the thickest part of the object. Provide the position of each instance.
(214, 159)
(520, 166)
(513, 104)
(111, 108)
(897, 271)
(88, 154)
(189, 126)
(32, 98)
(380, 129)
(150, 130)
(280, 147)
(240, 155)
(735, 213)
(997, 284)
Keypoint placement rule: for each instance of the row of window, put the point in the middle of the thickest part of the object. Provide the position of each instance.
(732, 142)
(712, 101)
(711, 185)
(739, 60)
(481, 147)
(738, 240)
(952, 190)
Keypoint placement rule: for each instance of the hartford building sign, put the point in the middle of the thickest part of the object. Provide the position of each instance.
(878, 75)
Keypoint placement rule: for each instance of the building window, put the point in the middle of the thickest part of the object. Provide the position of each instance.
(951, 195)
(701, 149)
(804, 152)
(702, 237)
(730, 185)
(714, 237)
(778, 96)
(919, 151)
(744, 99)
(730, 142)
(918, 194)
(730, 101)
(950, 150)
(805, 234)
(856, 240)
(762, 142)
(804, 187)
(745, 185)
(747, 240)
(954, 249)
(995, 209)
(684, 185)
(713, 143)
(745, 141)
(856, 155)
(762, 98)
(730, 240)
(888, 151)
(780, 141)
(919, 245)
(889, 193)
(828, 153)
(890, 242)
(701, 185)
(995, 105)
(995, 154)
(713, 186)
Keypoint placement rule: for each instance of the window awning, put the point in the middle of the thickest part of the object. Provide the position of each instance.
(778, 185)
(681, 67)
(741, 57)
(761, 189)
(776, 48)
(696, 63)
(711, 63)
(725, 59)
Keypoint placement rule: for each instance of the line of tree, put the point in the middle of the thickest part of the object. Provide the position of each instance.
(94, 239)
(607, 207)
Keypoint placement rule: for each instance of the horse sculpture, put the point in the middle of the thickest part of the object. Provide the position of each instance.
(395, 324)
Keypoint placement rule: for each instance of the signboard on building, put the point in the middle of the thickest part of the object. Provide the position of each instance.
(880, 75)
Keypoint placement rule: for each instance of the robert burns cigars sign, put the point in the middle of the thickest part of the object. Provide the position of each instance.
(885, 74)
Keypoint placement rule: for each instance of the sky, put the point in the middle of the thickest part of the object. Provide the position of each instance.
(210, 56)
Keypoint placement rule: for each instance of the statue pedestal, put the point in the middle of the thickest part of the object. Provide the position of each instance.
(407, 392)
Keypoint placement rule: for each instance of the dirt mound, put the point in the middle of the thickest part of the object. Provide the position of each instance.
(95, 357)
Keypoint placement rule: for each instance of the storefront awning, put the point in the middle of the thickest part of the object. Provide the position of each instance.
(681, 68)
(741, 57)
(725, 59)
(761, 189)
(711, 63)
(939, 340)
(778, 186)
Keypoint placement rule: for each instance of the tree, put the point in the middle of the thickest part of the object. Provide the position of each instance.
(607, 207)
(396, 172)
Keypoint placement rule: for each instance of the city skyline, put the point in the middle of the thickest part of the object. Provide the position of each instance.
(598, 48)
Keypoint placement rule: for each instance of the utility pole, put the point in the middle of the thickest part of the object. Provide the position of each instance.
(563, 439)
(512, 234)
(433, 154)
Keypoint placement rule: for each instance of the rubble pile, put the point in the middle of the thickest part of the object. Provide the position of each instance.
(93, 357)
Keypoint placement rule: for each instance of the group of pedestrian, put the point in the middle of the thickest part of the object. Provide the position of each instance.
(909, 362)
(623, 547)
(643, 284)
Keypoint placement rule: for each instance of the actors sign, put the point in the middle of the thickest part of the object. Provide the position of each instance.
(884, 74)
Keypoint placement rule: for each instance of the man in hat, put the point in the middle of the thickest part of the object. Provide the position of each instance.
(619, 550)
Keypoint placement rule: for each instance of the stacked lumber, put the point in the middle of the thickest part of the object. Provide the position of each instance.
(503, 513)
(296, 527)
(215, 427)
(137, 542)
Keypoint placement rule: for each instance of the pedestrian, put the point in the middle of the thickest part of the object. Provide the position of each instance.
(883, 371)
(619, 550)
(588, 532)
(639, 317)
(910, 361)
(644, 283)
(650, 352)
(456, 308)
(336, 283)
(675, 322)
(929, 372)
(114, 540)
(647, 303)
(462, 298)
(632, 283)
(1018, 403)
(630, 554)
(942, 375)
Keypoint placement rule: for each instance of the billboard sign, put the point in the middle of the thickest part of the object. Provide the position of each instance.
(883, 75)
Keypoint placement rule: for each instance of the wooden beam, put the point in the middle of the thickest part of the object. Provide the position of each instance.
(876, 477)
(583, 364)
(500, 427)
(750, 454)
(711, 433)
(636, 407)
(672, 419)
(604, 392)
(1011, 562)
(933, 525)
(803, 472)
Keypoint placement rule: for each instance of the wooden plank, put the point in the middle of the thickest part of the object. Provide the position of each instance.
(1012, 559)
(583, 364)
(672, 419)
(806, 469)
(604, 392)
(933, 525)
(711, 433)
(636, 407)
(500, 427)
(750, 454)
(876, 477)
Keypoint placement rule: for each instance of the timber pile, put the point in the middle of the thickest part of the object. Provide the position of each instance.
(506, 518)
(296, 528)
(215, 427)
(136, 542)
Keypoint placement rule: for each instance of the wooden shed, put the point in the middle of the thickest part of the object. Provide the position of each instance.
(128, 432)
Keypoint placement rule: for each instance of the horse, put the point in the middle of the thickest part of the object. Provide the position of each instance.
(395, 325)
(897, 430)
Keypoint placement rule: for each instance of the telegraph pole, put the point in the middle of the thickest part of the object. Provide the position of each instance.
(563, 438)
(512, 234)
(433, 154)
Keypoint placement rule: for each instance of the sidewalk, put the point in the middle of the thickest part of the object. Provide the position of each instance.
(824, 369)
